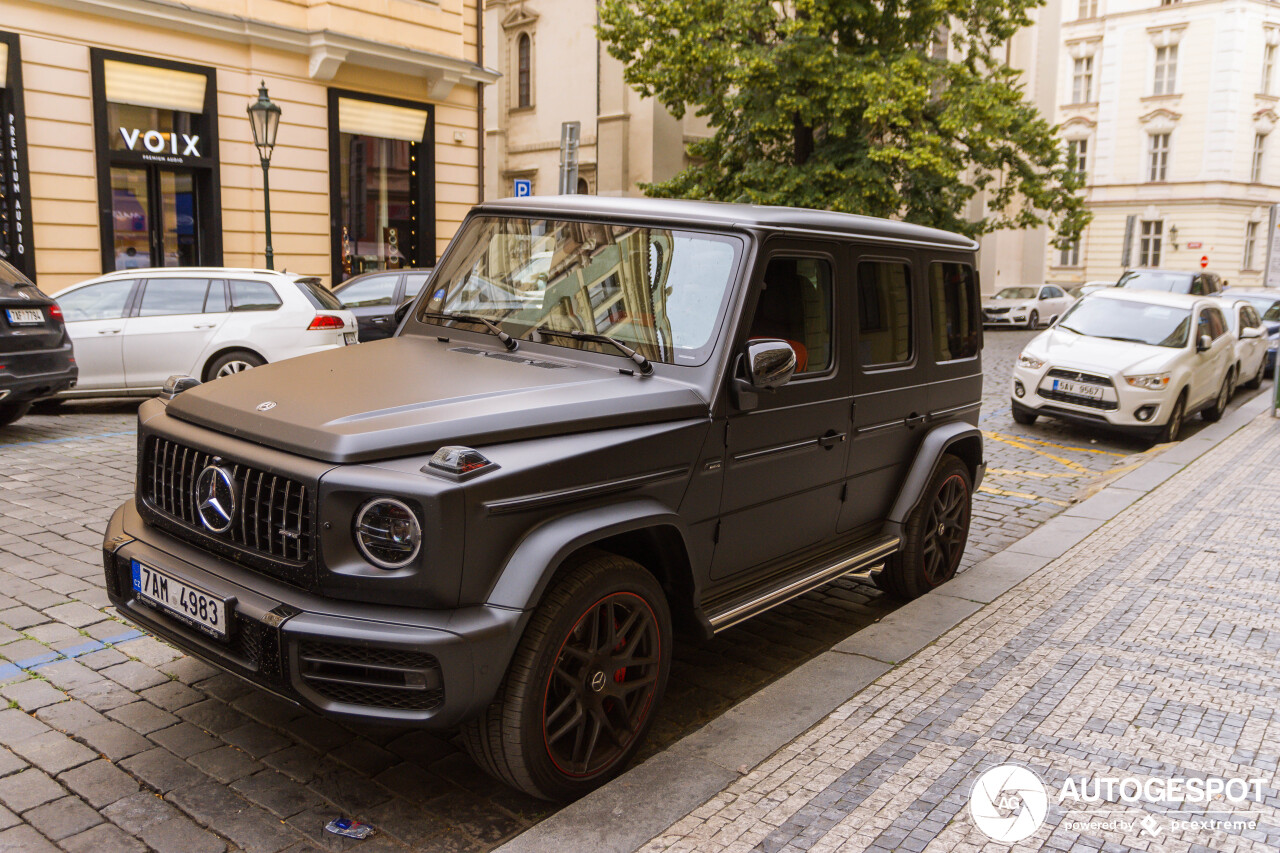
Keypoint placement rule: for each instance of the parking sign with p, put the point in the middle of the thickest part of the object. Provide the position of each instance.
(524, 187)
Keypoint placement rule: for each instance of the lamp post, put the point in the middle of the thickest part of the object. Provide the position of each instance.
(264, 121)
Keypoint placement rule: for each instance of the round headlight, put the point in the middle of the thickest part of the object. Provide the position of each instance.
(388, 533)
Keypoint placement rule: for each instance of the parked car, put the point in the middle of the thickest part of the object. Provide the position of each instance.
(135, 328)
(1251, 340)
(373, 297)
(1266, 301)
(1078, 290)
(1172, 281)
(1025, 306)
(1130, 360)
(36, 357)
(493, 519)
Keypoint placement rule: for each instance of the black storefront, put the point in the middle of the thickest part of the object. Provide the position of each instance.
(16, 245)
(156, 132)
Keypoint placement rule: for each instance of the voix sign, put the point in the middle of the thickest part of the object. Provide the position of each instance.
(162, 147)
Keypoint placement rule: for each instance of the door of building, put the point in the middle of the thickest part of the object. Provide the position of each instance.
(154, 216)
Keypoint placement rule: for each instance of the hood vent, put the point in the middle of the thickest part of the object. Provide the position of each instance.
(506, 356)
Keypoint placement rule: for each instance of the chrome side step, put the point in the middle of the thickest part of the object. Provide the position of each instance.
(861, 561)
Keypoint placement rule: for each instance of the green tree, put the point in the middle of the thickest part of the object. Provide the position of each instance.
(896, 108)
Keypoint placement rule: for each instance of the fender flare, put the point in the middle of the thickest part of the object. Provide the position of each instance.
(530, 566)
(936, 443)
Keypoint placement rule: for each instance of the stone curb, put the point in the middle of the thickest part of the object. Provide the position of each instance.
(648, 798)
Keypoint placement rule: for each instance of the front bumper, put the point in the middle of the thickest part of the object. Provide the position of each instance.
(1013, 318)
(33, 375)
(1117, 411)
(365, 662)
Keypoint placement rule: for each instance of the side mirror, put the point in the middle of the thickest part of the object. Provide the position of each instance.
(1250, 332)
(1053, 318)
(1203, 343)
(403, 310)
(768, 364)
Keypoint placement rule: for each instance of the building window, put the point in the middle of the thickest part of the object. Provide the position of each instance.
(524, 70)
(1255, 162)
(1250, 243)
(1157, 156)
(1088, 8)
(381, 180)
(1149, 245)
(1268, 68)
(1166, 70)
(1082, 80)
(15, 197)
(1078, 150)
(1069, 255)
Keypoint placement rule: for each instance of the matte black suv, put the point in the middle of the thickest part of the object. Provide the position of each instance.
(493, 519)
(35, 351)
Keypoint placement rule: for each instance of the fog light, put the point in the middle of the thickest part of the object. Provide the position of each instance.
(1018, 390)
(1145, 413)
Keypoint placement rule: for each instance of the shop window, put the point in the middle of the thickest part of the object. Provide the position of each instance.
(381, 170)
(15, 199)
(953, 297)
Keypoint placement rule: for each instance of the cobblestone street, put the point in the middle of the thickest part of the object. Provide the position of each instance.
(101, 719)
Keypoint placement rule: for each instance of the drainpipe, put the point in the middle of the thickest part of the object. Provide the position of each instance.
(480, 101)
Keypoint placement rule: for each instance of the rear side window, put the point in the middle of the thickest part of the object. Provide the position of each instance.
(105, 301)
(884, 313)
(318, 295)
(953, 298)
(165, 296)
(253, 296)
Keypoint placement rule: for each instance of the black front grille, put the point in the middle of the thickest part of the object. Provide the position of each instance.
(1078, 376)
(996, 310)
(397, 679)
(1104, 405)
(273, 513)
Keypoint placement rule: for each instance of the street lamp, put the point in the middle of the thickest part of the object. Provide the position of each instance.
(264, 121)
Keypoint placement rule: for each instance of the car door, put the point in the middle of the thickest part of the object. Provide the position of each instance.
(95, 318)
(1056, 301)
(1211, 365)
(785, 459)
(372, 300)
(1250, 351)
(168, 331)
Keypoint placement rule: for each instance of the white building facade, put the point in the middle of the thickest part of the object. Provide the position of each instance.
(1169, 108)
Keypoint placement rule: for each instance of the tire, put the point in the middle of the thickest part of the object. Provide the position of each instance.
(10, 412)
(1024, 418)
(1214, 413)
(1256, 382)
(1033, 322)
(935, 534)
(1173, 427)
(564, 694)
(236, 361)
(49, 405)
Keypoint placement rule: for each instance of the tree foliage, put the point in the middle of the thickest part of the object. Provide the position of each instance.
(896, 108)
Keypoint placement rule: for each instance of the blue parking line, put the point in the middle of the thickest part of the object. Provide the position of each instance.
(76, 438)
(9, 670)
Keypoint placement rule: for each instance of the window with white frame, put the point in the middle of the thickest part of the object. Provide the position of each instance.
(1157, 156)
(1250, 243)
(1078, 149)
(1166, 70)
(1255, 162)
(1268, 68)
(1149, 244)
(1082, 80)
(1088, 8)
(1069, 255)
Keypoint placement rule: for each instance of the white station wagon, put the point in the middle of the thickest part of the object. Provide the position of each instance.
(133, 329)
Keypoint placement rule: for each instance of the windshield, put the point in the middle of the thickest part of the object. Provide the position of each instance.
(1120, 320)
(1172, 282)
(1017, 293)
(658, 290)
(317, 294)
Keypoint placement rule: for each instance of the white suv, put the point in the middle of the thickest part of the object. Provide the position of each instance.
(1133, 360)
(132, 329)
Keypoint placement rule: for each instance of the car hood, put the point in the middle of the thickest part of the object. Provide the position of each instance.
(1008, 303)
(413, 394)
(1066, 349)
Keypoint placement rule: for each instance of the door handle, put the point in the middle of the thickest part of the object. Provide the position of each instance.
(204, 325)
(914, 420)
(830, 439)
(108, 331)
(380, 320)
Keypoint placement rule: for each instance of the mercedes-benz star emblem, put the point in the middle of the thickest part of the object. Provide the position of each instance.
(266, 406)
(215, 495)
(597, 682)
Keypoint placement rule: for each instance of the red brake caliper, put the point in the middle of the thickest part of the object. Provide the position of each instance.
(621, 673)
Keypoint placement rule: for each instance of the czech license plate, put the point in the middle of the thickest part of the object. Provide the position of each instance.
(25, 316)
(1079, 389)
(175, 596)
(350, 338)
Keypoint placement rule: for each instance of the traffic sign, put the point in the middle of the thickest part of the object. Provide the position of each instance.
(1204, 261)
(524, 187)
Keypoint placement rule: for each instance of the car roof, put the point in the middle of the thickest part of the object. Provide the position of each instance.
(725, 214)
(1155, 297)
(181, 271)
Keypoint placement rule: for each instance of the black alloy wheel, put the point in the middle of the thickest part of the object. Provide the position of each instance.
(1256, 381)
(935, 534)
(1214, 413)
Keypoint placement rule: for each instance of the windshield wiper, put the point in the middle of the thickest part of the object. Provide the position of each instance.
(1069, 329)
(645, 367)
(507, 341)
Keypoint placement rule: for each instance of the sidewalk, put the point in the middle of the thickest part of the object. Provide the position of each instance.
(1136, 635)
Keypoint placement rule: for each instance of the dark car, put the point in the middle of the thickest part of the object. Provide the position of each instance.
(36, 358)
(1172, 281)
(494, 519)
(373, 298)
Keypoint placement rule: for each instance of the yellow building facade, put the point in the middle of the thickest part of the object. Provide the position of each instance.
(126, 141)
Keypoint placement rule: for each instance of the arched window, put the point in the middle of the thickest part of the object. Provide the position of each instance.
(524, 49)
(583, 188)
